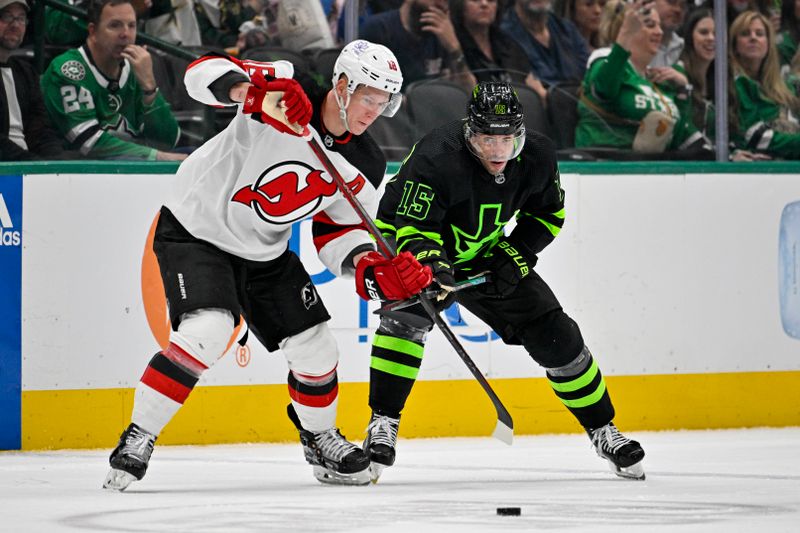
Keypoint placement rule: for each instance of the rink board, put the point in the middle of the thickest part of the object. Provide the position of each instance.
(682, 277)
(228, 414)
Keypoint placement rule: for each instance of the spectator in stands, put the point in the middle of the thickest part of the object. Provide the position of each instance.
(672, 14)
(25, 131)
(621, 106)
(220, 20)
(790, 31)
(771, 10)
(422, 36)
(63, 29)
(695, 63)
(737, 7)
(251, 35)
(103, 96)
(556, 50)
(763, 109)
(159, 18)
(491, 54)
(173, 22)
(366, 8)
(585, 14)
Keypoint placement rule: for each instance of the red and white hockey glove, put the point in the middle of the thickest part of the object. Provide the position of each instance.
(399, 278)
(298, 108)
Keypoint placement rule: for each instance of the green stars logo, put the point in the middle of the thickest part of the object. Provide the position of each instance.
(490, 228)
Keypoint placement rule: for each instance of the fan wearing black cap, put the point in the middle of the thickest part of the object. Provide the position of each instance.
(449, 205)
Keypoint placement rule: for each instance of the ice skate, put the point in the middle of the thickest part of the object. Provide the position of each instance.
(624, 455)
(130, 458)
(335, 459)
(380, 443)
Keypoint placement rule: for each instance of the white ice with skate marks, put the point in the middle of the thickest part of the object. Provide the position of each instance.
(740, 480)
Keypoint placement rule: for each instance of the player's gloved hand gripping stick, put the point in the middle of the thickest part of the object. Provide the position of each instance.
(282, 103)
(439, 293)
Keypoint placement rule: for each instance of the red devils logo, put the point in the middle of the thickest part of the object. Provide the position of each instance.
(392, 65)
(290, 191)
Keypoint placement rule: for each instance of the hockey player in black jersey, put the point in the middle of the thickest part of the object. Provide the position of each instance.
(222, 246)
(448, 205)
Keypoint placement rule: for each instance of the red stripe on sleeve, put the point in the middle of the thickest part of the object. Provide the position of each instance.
(321, 240)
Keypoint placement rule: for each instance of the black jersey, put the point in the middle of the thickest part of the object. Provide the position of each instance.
(443, 200)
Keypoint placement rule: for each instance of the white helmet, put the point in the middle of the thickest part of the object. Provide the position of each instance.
(370, 64)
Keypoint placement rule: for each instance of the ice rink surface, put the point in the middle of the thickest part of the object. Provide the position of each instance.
(733, 480)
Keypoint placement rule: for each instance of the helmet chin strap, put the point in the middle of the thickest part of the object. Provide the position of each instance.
(343, 109)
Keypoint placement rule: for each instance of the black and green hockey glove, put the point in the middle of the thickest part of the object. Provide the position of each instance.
(508, 267)
(443, 276)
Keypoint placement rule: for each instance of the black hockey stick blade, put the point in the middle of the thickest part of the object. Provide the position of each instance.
(504, 430)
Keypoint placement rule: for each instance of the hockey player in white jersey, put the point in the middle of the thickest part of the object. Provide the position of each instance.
(222, 246)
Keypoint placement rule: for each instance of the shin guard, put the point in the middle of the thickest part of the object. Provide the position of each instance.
(161, 392)
(314, 399)
(581, 388)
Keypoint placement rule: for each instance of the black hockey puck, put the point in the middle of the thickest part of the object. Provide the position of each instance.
(509, 511)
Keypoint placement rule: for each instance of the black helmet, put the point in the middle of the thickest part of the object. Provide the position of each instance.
(494, 129)
(494, 109)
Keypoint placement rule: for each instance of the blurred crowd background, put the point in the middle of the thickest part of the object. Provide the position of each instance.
(605, 79)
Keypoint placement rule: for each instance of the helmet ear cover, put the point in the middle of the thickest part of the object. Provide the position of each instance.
(372, 65)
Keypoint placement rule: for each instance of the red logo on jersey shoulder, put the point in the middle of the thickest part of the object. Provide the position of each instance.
(257, 67)
(290, 191)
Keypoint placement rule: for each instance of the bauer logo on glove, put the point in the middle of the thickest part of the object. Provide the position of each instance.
(508, 267)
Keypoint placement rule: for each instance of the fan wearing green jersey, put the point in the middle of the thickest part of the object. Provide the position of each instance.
(789, 36)
(103, 97)
(621, 105)
(764, 110)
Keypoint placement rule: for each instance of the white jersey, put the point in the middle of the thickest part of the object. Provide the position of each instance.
(243, 189)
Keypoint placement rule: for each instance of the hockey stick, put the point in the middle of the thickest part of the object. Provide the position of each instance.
(504, 430)
(460, 286)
